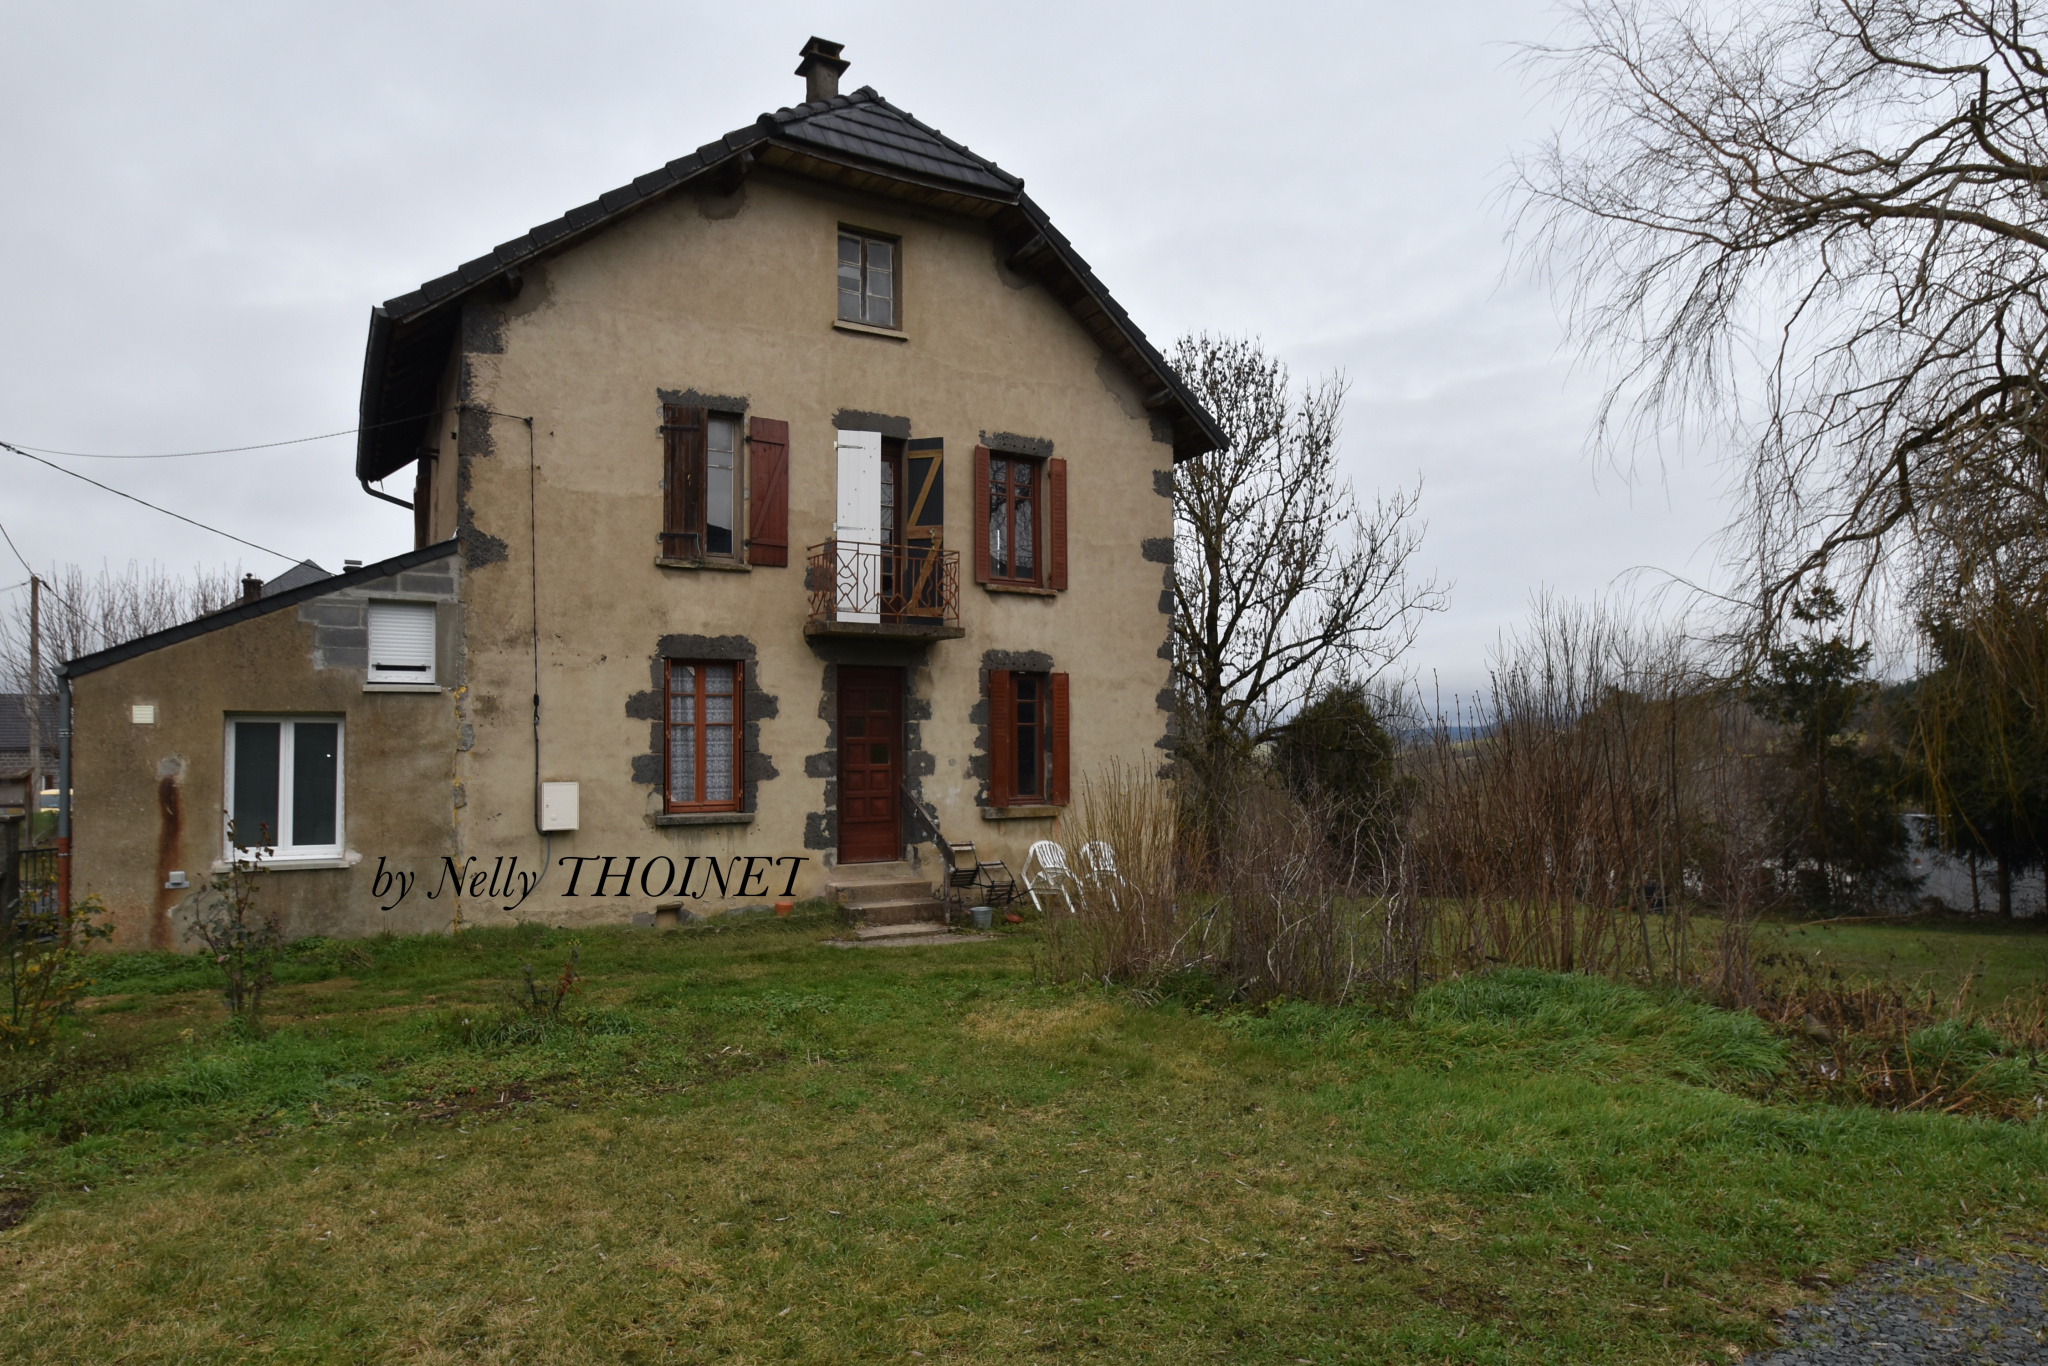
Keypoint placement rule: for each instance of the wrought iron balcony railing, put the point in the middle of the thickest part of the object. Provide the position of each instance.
(867, 588)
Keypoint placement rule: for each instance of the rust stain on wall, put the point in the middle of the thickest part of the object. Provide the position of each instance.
(170, 828)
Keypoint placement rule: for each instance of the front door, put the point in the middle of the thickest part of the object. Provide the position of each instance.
(870, 764)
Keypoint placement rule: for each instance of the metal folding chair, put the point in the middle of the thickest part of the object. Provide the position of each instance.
(968, 875)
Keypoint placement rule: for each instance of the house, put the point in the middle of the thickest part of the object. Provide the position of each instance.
(17, 752)
(777, 515)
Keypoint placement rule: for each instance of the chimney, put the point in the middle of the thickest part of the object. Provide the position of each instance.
(821, 68)
(252, 588)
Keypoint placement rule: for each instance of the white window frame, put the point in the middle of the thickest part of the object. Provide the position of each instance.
(404, 678)
(284, 851)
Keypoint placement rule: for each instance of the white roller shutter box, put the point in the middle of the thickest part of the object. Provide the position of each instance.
(401, 642)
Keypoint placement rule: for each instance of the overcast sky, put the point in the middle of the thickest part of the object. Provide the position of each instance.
(204, 201)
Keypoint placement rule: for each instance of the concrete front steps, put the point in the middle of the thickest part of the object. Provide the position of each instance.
(878, 894)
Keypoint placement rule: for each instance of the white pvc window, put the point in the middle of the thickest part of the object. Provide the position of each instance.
(284, 786)
(401, 642)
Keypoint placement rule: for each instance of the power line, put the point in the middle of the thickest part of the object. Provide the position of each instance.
(224, 450)
(133, 499)
(48, 587)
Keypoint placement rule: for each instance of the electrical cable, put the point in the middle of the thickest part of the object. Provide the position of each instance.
(6, 445)
(32, 575)
(227, 450)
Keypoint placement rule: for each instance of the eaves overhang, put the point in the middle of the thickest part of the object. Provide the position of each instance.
(860, 142)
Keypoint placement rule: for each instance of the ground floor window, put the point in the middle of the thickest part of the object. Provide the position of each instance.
(703, 750)
(1028, 723)
(284, 785)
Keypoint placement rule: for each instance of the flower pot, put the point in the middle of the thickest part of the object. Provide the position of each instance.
(784, 906)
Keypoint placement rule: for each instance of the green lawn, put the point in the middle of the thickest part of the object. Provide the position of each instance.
(1993, 958)
(756, 1148)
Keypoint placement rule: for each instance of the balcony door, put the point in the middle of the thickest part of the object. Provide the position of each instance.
(870, 764)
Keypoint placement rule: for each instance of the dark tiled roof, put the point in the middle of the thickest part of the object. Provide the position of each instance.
(298, 576)
(858, 140)
(263, 606)
(877, 131)
(14, 724)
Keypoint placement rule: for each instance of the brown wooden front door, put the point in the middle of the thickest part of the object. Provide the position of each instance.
(870, 764)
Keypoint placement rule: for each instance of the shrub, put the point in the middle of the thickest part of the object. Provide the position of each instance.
(242, 941)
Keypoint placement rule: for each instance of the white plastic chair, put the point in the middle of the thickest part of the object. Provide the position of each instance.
(1098, 865)
(1098, 860)
(1046, 875)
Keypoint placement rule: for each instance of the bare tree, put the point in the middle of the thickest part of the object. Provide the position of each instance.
(1282, 583)
(1824, 221)
(81, 613)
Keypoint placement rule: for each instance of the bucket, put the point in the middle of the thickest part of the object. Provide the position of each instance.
(983, 917)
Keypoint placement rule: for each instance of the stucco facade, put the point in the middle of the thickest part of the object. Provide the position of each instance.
(149, 745)
(543, 464)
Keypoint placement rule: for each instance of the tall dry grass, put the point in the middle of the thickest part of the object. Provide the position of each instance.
(1258, 892)
(1607, 789)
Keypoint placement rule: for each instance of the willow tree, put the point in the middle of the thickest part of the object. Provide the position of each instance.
(1818, 224)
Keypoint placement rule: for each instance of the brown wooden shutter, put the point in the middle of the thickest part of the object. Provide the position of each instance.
(979, 493)
(682, 522)
(1002, 725)
(1056, 522)
(768, 492)
(1059, 739)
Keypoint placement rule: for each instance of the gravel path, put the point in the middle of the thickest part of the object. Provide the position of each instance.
(1923, 1311)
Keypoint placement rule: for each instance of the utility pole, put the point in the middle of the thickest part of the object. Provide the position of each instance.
(34, 700)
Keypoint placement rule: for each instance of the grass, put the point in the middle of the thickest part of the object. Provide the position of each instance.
(1983, 961)
(748, 1147)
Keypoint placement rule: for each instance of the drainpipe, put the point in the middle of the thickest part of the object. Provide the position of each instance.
(63, 792)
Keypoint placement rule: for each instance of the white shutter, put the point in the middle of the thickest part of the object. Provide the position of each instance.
(401, 642)
(859, 527)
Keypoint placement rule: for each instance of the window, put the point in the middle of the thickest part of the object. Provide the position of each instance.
(1031, 737)
(701, 513)
(1012, 518)
(1027, 738)
(704, 733)
(1020, 520)
(401, 642)
(867, 280)
(284, 786)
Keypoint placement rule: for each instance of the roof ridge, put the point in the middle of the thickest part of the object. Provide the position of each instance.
(789, 113)
(962, 148)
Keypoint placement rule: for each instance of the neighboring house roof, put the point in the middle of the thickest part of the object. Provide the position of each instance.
(860, 141)
(299, 575)
(246, 611)
(14, 725)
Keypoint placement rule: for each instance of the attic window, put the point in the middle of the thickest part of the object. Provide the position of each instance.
(867, 280)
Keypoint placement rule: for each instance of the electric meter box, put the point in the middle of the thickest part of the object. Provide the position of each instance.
(557, 807)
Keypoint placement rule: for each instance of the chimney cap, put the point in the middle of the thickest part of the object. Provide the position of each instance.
(821, 67)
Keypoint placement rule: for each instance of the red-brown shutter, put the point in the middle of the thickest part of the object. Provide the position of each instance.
(1002, 725)
(1059, 739)
(682, 521)
(979, 494)
(768, 492)
(1056, 521)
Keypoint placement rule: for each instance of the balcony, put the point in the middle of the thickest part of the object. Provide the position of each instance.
(894, 592)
